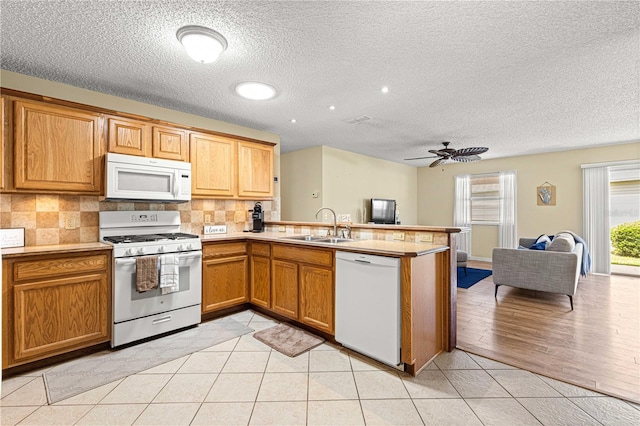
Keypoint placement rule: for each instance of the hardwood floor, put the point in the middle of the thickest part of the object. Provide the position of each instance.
(596, 346)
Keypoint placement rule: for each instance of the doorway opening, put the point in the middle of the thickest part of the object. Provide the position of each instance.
(624, 219)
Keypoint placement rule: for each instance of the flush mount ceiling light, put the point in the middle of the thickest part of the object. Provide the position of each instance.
(255, 91)
(384, 89)
(201, 43)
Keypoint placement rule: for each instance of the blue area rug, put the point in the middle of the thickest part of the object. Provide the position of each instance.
(473, 276)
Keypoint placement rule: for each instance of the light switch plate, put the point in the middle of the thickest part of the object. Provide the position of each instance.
(215, 229)
(12, 237)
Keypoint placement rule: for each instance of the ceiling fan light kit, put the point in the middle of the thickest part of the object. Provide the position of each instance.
(463, 155)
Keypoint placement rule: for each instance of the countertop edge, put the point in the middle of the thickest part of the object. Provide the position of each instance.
(10, 252)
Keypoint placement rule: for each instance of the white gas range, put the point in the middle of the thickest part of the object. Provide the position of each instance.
(156, 237)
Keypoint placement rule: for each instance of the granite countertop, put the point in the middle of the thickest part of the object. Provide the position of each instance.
(394, 248)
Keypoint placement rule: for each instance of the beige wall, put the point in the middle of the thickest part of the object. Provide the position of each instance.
(346, 182)
(301, 176)
(562, 169)
(350, 180)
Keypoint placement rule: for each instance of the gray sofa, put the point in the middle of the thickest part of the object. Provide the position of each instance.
(542, 270)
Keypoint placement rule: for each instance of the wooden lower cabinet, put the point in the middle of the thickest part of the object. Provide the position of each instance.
(260, 281)
(317, 297)
(225, 273)
(55, 304)
(302, 285)
(284, 285)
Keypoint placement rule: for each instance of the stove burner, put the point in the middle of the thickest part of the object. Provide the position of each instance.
(144, 238)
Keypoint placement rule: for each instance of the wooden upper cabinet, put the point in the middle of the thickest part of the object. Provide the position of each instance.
(130, 137)
(213, 160)
(169, 143)
(255, 170)
(57, 148)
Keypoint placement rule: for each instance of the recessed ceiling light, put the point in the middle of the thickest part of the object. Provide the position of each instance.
(384, 89)
(255, 90)
(201, 43)
(332, 107)
(293, 120)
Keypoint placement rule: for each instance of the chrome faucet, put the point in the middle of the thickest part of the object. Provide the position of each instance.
(335, 225)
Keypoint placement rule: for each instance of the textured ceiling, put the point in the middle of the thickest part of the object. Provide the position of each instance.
(517, 77)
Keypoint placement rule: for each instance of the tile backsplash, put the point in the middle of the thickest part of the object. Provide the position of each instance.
(44, 217)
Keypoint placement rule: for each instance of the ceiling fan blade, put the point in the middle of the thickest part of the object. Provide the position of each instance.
(470, 151)
(420, 158)
(466, 159)
(437, 162)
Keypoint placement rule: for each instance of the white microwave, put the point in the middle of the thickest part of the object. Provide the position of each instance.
(133, 178)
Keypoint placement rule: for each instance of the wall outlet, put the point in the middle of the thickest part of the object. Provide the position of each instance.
(70, 223)
(426, 238)
(215, 229)
(282, 228)
(207, 218)
(398, 236)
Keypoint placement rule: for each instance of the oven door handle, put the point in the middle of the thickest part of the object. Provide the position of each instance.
(195, 255)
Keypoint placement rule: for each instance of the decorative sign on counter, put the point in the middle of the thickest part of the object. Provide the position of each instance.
(215, 229)
(12, 237)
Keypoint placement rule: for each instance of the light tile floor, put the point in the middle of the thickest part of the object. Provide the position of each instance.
(243, 381)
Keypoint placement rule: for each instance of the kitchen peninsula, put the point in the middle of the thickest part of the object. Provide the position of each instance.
(285, 273)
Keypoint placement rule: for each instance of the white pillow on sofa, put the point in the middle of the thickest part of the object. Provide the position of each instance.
(562, 242)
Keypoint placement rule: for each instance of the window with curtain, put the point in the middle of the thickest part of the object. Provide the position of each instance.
(487, 199)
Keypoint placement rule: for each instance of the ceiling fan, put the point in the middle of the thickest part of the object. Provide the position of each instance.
(463, 155)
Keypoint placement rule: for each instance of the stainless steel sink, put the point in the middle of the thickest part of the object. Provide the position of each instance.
(334, 240)
(303, 238)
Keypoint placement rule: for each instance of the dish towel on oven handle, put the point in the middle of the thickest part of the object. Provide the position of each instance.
(169, 273)
(146, 273)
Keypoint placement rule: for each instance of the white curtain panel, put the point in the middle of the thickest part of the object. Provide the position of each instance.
(595, 217)
(507, 232)
(462, 211)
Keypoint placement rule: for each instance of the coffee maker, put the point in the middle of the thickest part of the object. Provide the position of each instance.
(257, 218)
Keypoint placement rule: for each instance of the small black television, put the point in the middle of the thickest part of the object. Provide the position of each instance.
(383, 211)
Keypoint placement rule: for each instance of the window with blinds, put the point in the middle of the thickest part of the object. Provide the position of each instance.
(485, 200)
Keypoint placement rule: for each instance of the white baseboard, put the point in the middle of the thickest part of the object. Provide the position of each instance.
(480, 259)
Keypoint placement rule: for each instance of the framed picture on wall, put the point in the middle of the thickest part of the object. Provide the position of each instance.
(546, 194)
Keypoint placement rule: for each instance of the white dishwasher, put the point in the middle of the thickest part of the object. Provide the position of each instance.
(368, 305)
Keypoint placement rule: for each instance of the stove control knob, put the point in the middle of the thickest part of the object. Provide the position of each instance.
(180, 247)
(189, 246)
(129, 252)
(141, 250)
(162, 249)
